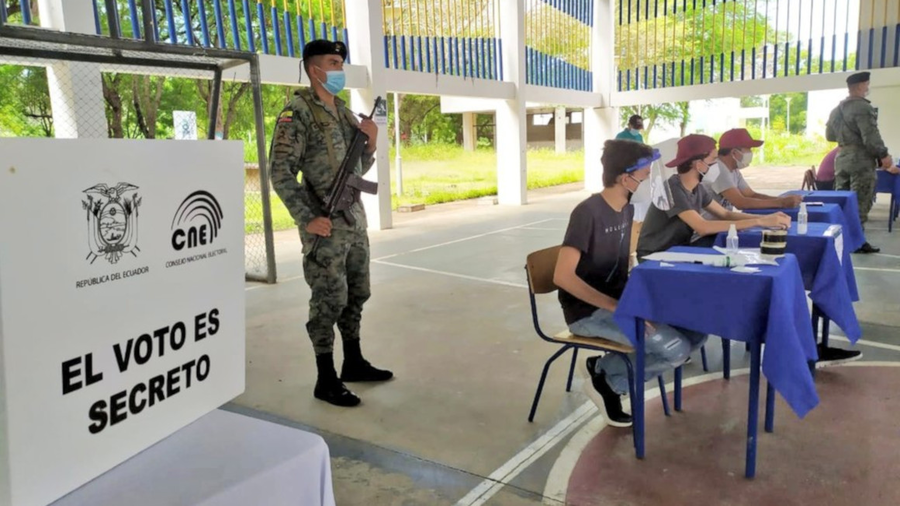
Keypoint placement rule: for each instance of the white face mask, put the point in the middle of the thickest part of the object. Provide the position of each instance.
(711, 174)
(744, 160)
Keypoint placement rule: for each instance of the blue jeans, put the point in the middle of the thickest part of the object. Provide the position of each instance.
(667, 349)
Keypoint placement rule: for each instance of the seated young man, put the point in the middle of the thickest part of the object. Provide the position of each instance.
(730, 189)
(591, 272)
(676, 226)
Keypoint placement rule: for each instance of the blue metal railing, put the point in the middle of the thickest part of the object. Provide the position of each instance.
(22, 16)
(561, 58)
(477, 58)
(226, 24)
(548, 70)
(876, 48)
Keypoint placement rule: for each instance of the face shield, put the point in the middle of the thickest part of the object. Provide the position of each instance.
(653, 191)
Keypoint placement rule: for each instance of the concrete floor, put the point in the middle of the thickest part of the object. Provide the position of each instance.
(449, 314)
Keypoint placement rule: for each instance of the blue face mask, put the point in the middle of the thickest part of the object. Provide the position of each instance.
(334, 81)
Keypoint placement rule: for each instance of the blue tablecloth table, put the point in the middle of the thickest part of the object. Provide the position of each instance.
(831, 281)
(764, 307)
(849, 206)
(890, 183)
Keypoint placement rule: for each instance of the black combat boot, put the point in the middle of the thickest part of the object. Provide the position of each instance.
(356, 368)
(328, 387)
(867, 248)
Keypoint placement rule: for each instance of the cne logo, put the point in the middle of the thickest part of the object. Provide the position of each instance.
(197, 221)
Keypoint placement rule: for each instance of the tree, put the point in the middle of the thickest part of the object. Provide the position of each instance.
(658, 114)
(25, 102)
(421, 120)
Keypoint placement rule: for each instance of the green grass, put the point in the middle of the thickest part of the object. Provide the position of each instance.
(253, 216)
(436, 174)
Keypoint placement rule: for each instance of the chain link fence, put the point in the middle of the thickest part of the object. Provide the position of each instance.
(60, 90)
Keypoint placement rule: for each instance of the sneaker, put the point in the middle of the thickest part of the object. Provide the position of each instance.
(835, 356)
(334, 392)
(609, 402)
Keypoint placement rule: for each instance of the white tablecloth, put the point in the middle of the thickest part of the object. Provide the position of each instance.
(222, 459)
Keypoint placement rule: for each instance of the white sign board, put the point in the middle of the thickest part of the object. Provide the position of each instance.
(381, 115)
(185, 125)
(121, 302)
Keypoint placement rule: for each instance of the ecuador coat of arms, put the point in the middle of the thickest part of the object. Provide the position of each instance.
(112, 221)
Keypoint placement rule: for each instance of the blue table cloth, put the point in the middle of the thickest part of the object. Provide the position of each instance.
(853, 231)
(768, 306)
(890, 183)
(830, 281)
(826, 213)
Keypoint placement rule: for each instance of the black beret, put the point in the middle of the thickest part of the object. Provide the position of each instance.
(860, 77)
(324, 47)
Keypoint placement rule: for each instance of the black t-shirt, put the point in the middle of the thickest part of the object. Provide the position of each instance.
(664, 229)
(603, 236)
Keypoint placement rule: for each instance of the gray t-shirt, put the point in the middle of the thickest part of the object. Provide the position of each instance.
(603, 236)
(727, 179)
(664, 229)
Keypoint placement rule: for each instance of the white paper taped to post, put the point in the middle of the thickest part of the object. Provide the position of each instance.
(121, 301)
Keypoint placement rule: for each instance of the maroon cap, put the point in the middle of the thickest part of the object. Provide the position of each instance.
(692, 146)
(737, 138)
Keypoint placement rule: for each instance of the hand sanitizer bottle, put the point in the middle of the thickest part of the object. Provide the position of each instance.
(732, 243)
(802, 219)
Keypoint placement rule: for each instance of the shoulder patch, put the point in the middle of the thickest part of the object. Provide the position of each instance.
(286, 116)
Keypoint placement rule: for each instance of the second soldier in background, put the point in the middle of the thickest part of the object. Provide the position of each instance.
(853, 124)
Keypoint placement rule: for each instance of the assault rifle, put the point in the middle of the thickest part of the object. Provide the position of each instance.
(347, 184)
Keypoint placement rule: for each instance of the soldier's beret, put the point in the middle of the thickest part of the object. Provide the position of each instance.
(859, 77)
(325, 47)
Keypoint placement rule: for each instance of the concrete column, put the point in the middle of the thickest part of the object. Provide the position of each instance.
(470, 134)
(511, 116)
(366, 43)
(600, 122)
(887, 98)
(874, 15)
(76, 88)
(559, 122)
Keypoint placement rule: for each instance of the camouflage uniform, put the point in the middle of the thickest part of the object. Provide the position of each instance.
(312, 138)
(854, 126)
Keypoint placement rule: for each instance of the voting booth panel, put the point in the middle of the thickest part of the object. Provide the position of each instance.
(121, 301)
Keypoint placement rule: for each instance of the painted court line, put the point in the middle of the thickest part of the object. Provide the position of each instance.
(463, 239)
(886, 255)
(874, 269)
(512, 468)
(451, 274)
(873, 344)
(266, 285)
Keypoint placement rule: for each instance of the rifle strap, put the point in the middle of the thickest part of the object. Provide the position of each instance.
(324, 125)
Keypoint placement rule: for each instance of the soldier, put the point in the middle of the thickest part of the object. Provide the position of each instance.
(853, 124)
(312, 135)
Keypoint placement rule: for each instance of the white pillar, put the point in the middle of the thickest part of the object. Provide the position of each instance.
(76, 88)
(559, 122)
(600, 122)
(469, 134)
(511, 117)
(366, 43)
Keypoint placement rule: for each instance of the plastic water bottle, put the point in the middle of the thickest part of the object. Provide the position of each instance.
(732, 244)
(802, 219)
